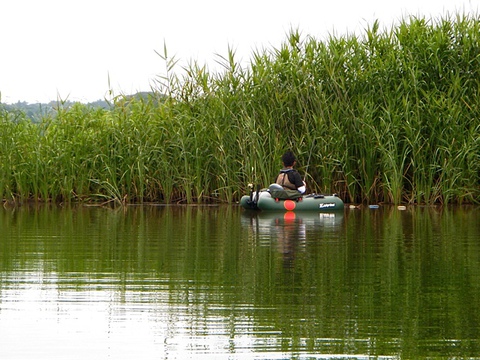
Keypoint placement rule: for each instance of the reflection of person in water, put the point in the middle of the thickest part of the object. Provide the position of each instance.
(290, 233)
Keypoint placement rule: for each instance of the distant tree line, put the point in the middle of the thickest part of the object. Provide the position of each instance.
(37, 111)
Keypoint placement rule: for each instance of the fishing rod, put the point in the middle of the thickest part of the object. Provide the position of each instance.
(308, 160)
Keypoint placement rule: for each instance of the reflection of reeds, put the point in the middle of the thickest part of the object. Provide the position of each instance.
(389, 116)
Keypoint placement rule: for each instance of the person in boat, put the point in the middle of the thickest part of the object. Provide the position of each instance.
(289, 178)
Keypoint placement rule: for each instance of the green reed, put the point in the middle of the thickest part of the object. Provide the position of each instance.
(386, 116)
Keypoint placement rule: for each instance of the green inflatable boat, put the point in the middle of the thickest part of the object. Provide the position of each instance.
(266, 201)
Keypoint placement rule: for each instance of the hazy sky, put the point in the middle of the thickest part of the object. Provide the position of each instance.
(78, 50)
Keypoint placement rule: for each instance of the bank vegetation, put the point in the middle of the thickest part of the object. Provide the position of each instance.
(389, 115)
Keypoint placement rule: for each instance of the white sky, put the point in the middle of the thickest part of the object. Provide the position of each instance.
(69, 49)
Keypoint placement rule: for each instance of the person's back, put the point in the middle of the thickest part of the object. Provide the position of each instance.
(289, 178)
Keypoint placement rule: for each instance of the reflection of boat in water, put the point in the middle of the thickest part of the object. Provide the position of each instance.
(307, 218)
(289, 232)
(267, 223)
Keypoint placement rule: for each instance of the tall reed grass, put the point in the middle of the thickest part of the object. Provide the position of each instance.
(386, 116)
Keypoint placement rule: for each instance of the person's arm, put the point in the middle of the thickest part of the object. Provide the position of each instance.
(299, 183)
(302, 189)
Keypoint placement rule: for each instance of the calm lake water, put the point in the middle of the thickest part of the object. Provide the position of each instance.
(220, 283)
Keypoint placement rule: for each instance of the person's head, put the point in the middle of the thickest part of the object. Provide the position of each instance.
(288, 159)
